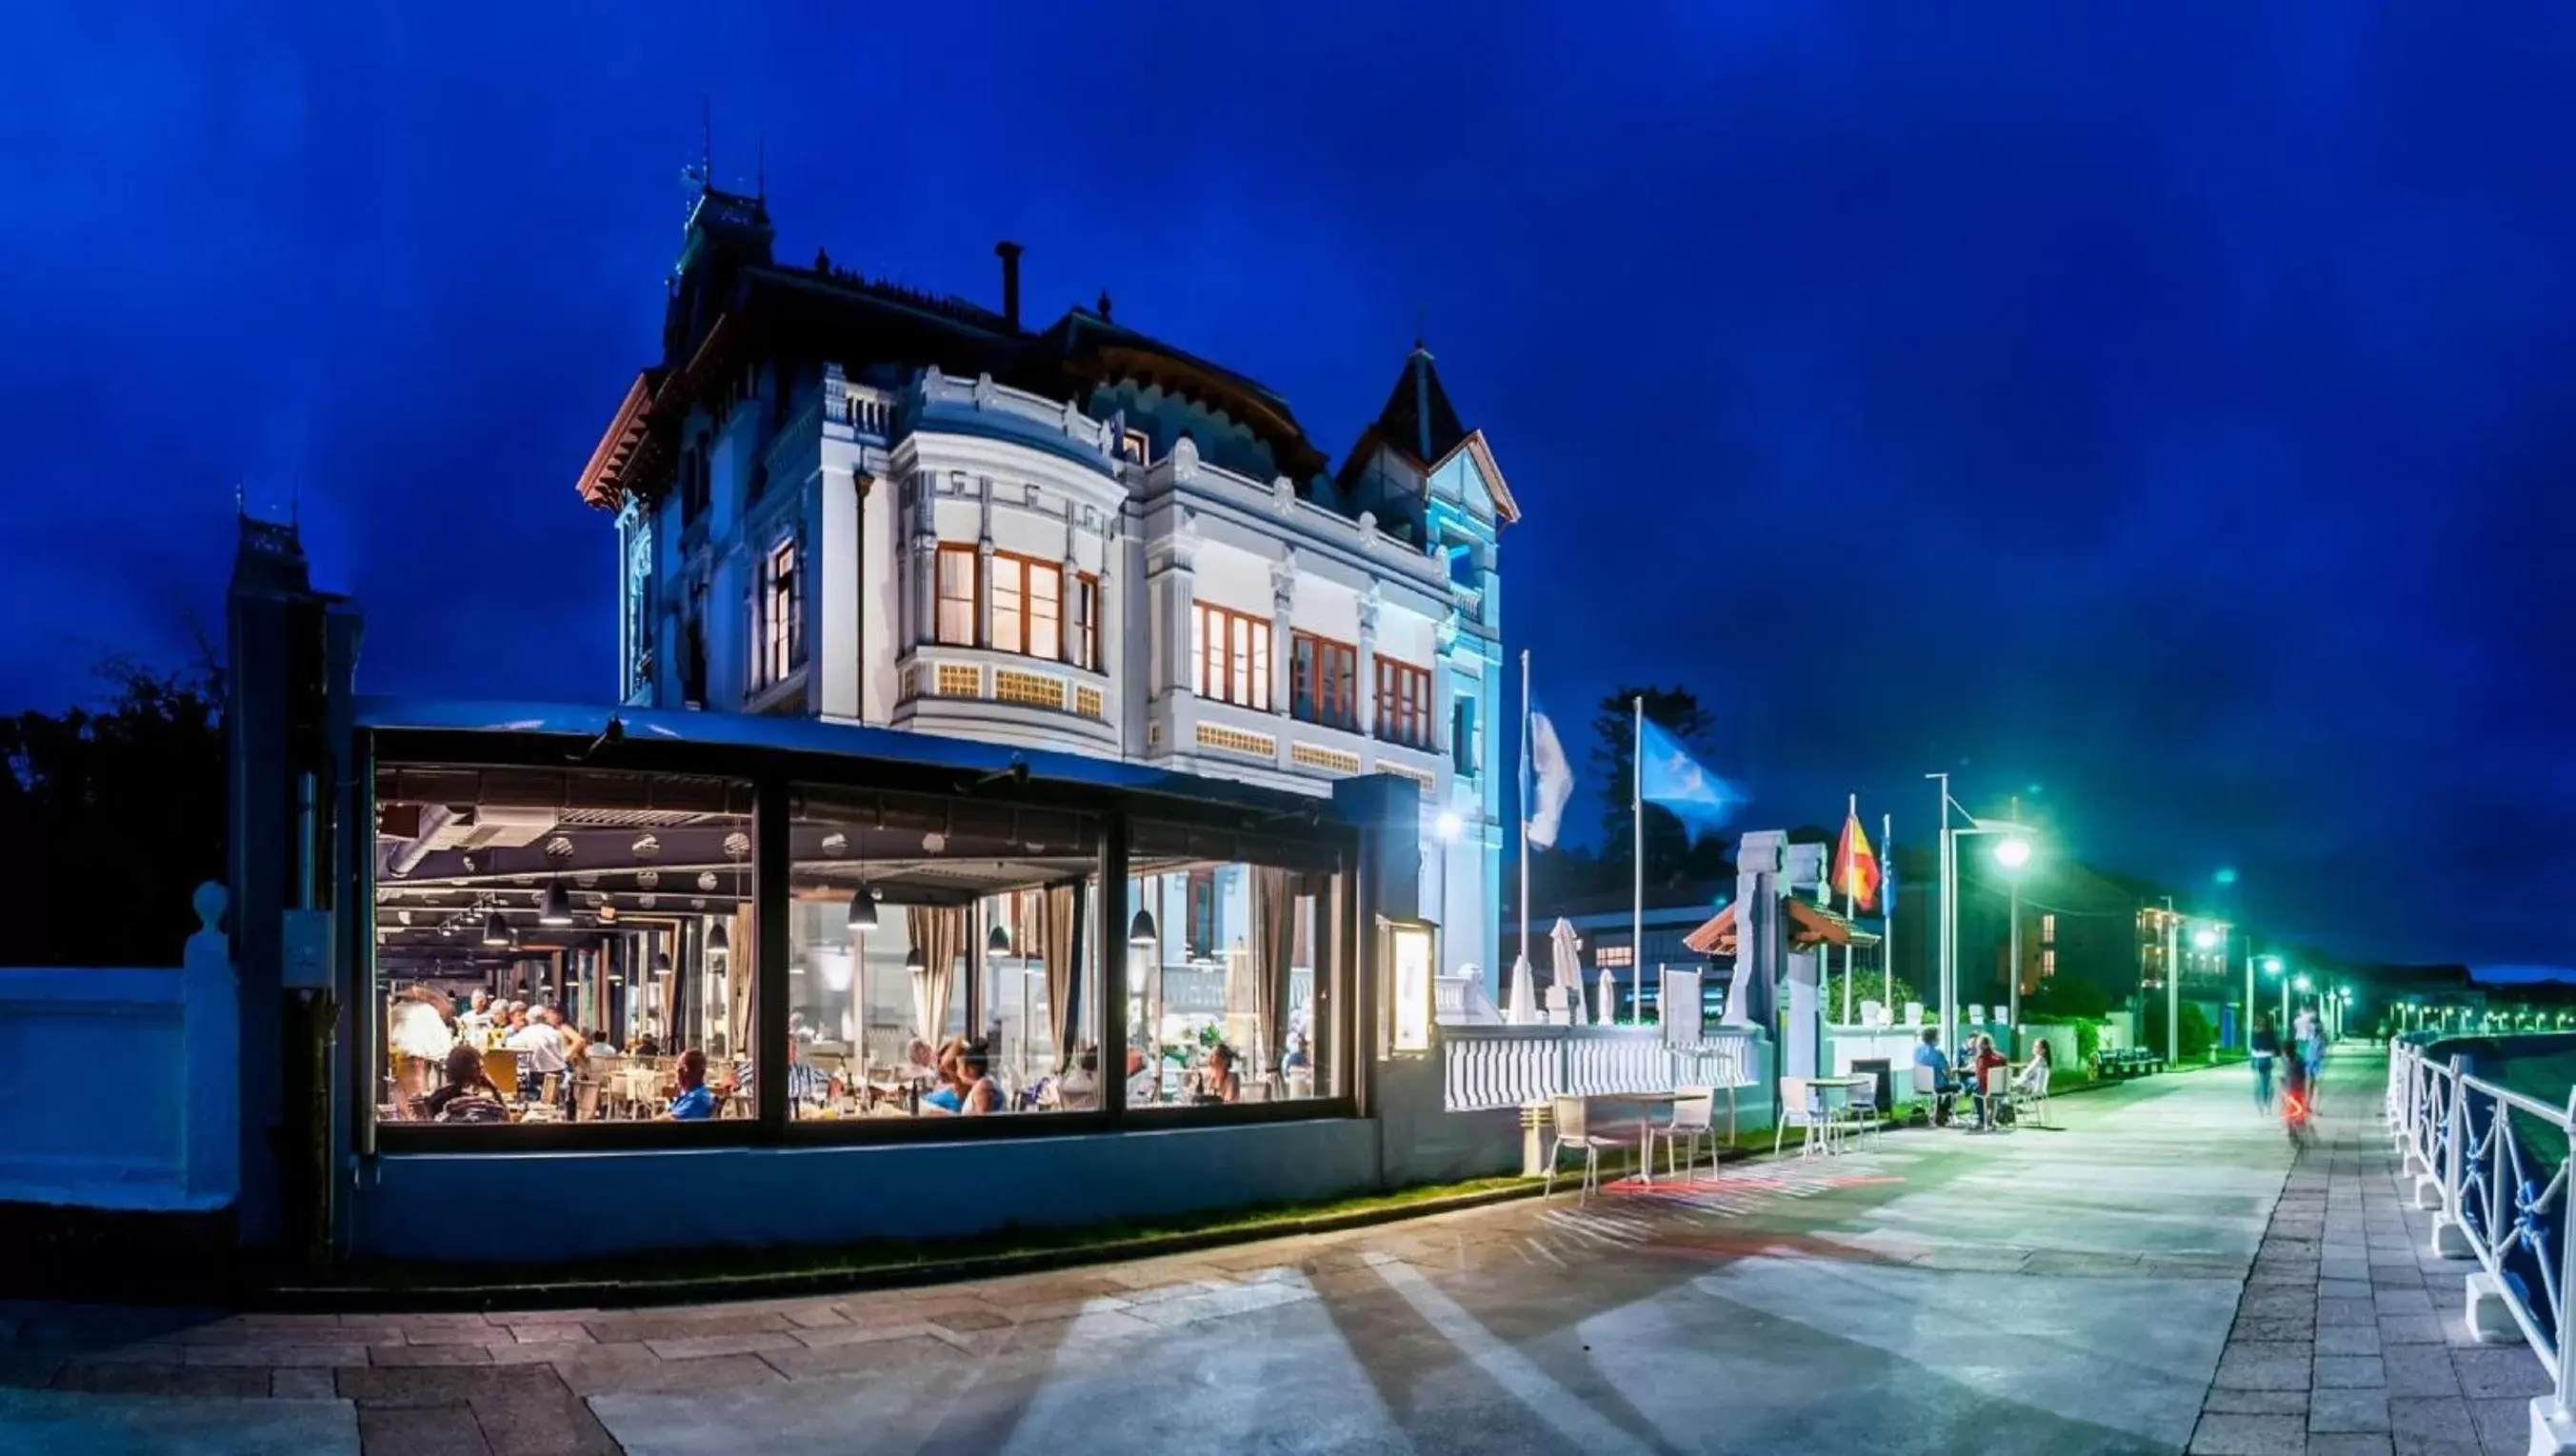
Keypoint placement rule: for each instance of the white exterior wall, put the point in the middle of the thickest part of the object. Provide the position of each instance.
(978, 465)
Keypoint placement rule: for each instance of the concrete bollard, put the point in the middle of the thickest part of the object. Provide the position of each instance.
(2490, 1317)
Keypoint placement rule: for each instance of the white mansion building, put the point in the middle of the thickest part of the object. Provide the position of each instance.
(845, 499)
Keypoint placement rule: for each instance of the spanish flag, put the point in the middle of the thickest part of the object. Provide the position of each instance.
(1855, 865)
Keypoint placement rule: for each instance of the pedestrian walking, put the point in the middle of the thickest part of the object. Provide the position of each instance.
(2262, 1052)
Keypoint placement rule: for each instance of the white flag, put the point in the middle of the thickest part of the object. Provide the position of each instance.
(1555, 781)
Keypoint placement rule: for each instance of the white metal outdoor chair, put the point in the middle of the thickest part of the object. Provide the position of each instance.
(1854, 1119)
(2031, 1095)
(1927, 1090)
(1572, 1117)
(1805, 1105)
(1694, 1113)
(1999, 1095)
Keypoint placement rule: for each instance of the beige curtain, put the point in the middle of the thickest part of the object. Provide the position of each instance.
(740, 979)
(939, 934)
(1274, 945)
(1063, 931)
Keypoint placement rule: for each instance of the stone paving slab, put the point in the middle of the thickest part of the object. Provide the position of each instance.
(2041, 1291)
(2346, 1266)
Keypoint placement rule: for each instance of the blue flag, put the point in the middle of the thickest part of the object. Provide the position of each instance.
(1667, 775)
(1887, 879)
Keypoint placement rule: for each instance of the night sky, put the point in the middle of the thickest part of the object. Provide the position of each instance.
(2169, 406)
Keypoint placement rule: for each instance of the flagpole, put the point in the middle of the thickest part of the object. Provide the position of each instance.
(1887, 910)
(1525, 808)
(1637, 833)
(1851, 815)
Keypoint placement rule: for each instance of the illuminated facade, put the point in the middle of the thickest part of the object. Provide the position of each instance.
(847, 500)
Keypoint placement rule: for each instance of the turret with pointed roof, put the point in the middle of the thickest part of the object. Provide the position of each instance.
(1414, 439)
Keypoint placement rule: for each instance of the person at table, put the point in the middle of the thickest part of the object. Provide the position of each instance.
(1218, 1083)
(2034, 1074)
(949, 1097)
(1980, 1058)
(1143, 1081)
(1079, 1089)
(1944, 1085)
(475, 1025)
(980, 1094)
(542, 1052)
(469, 1095)
(419, 1030)
(697, 1100)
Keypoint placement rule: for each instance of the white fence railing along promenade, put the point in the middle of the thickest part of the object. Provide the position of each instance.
(2480, 1156)
(1514, 1066)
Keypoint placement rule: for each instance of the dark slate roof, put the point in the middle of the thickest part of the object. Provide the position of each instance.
(1418, 418)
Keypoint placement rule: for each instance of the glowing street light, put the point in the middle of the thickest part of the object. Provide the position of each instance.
(2011, 853)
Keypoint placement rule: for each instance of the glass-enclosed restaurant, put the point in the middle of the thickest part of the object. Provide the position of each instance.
(660, 938)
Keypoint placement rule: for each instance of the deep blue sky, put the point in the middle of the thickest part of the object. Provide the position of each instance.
(2169, 405)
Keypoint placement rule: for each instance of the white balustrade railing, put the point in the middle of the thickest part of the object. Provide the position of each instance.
(2503, 1196)
(980, 393)
(870, 413)
(1513, 1066)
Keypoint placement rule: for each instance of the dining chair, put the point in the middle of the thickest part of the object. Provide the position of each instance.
(1693, 1118)
(1999, 1095)
(1797, 1109)
(1572, 1119)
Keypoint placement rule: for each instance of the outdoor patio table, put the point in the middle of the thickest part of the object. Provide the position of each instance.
(1645, 1103)
(1851, 1086)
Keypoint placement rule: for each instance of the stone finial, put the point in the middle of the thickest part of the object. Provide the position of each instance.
(1283, 494)
(1368, 523)
(210, 902)
(1185, 460)
(983, 391)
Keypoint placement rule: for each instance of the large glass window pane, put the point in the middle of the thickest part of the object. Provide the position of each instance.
(1046, 610)
(1230, 978)
(1009, 626)
(943, 957)
(956, 625)
(562, 945)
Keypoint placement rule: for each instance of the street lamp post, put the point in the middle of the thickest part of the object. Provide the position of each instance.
(2012, 853)
(2173, 987)
(2203, 939)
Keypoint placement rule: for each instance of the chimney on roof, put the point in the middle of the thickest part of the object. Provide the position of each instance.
(1009, 253)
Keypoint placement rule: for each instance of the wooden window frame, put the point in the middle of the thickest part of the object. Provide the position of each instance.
(782, 611)
(1403, 703)
(1312, 697)
(1233, 648)
(1086, 625)
(940, 601)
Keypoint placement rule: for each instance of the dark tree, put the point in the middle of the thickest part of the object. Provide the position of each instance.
(1670, 856)
(110, 817)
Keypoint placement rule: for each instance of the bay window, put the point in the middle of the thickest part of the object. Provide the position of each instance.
(1028, 606)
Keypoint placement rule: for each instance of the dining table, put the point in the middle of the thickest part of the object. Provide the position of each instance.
(1850, 1085)
(1645, 1103)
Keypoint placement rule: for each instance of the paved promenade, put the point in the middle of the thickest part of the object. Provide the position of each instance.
(2035, 1291)
(2351, 1337)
